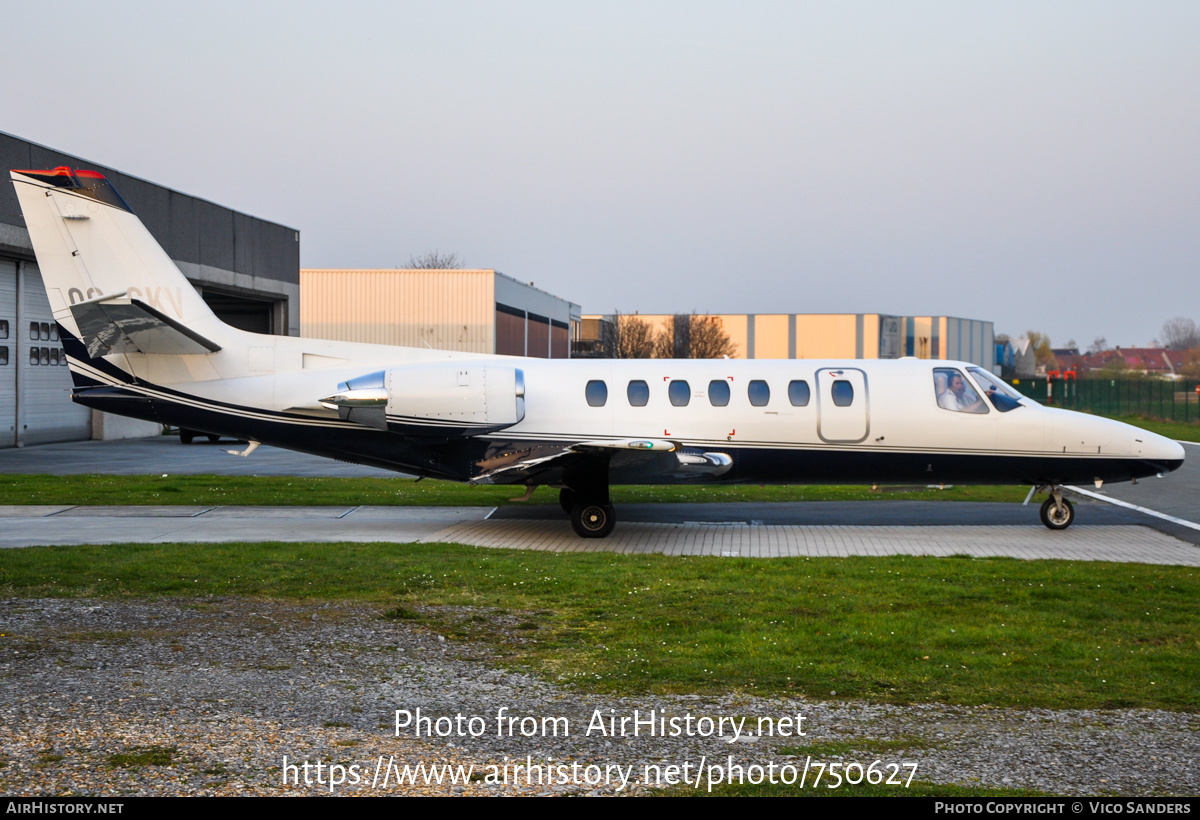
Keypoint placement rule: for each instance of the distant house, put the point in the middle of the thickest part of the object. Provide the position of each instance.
(1156, 361)
(1004, 357)
(1024, 359)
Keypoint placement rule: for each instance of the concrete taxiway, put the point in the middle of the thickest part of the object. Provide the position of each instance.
(718, 530)
(1102, 532)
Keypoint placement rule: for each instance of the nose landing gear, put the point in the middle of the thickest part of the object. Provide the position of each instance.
(1057, 512)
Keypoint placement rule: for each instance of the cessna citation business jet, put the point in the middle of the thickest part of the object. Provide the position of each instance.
(140, 342)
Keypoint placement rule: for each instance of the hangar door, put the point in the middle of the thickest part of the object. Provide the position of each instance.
(45, 410)
(8, 357)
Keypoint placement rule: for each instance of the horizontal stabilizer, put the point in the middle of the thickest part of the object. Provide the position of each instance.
(114, 324)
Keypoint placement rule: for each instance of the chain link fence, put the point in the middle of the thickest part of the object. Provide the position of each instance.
(1156, 398)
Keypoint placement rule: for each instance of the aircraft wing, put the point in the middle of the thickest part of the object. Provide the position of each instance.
(641, 457)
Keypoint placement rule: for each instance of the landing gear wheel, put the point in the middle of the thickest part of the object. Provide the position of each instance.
(186, 436)
(566, 499)
(213, 439)
(1057, 516)
(593, 520)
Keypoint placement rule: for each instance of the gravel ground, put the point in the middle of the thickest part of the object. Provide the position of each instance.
(208, 696)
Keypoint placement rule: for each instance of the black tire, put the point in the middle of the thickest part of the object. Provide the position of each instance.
(186, 436)
(213, 439)
(593, 520)
(566, 499)
(1058, 518)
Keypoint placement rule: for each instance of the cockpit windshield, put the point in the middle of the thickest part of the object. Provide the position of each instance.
(1001, 395)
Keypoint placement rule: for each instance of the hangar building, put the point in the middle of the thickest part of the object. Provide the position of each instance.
(817, 335)
(477, 311)
(246, 269)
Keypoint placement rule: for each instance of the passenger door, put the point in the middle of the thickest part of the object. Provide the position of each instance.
(842, 405)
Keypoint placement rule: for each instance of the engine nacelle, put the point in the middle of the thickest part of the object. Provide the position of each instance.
(445, 399)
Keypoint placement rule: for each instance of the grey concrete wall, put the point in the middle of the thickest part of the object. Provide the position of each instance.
(222, 246)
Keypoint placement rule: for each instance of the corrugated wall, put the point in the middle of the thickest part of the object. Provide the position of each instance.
(771, 336)
(826, 335)
(449, 310)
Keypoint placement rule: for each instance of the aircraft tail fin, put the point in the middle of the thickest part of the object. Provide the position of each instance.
(108, 281)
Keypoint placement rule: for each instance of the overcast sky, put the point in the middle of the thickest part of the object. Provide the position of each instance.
(1034, 164)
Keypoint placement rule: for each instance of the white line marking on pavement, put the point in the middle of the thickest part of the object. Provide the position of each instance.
(1126, 504)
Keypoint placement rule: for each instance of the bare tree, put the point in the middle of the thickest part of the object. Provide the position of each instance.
(635, 338)
(694, 337)
(1040, 342)
(1180, 334)
(1191, 363)
(1098, 345)
(431, 260)
(666, 346)
(708, 339)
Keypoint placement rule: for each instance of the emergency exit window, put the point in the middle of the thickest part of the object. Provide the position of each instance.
(638, 393)
(759, 393)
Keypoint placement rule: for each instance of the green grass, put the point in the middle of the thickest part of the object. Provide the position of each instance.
(897, 629)
(864, 746)
(1177, 430)
(205, 490)
(138, 756)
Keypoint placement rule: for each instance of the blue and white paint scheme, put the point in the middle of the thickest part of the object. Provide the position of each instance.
(141, 342)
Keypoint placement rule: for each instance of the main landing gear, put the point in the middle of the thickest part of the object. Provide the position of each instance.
(592, 513)
(1057, 512)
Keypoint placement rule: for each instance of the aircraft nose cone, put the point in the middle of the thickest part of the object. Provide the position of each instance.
(1167, 453)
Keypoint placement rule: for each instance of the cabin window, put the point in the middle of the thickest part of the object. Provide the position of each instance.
(638, 393)
(955, 393)
(842, 392)
(718, 393)
(798, 393)
(759, 393)
(1002, 397)
(679, 393)
(596, 393)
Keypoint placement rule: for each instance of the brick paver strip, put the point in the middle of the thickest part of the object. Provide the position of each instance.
(1131, 544)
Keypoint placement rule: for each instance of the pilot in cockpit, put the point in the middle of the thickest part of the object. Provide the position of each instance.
(957, 395)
